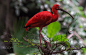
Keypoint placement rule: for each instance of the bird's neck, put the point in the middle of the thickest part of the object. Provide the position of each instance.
(55, 16)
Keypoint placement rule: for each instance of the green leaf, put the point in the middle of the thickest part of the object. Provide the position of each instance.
(81, 12)
(83, 49)
(60, 38)
(80, 26)
(47, 2)
(80, 8)
(53, 28)
(60, 0)
(37, 28)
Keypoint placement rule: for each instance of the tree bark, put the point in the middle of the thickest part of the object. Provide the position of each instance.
(6, 18)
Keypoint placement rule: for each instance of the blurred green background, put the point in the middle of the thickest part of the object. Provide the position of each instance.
(15, 13)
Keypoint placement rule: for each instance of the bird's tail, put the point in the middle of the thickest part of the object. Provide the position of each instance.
(27, 28)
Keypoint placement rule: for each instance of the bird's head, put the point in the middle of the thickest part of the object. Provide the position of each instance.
(57, 7)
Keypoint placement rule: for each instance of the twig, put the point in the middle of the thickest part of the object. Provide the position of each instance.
(59, 44)
(40, 51)
(26, 45)
(56, 46)
(30, 42)
(79, 37)
(74, 33)
(68, 50)
(70, 35)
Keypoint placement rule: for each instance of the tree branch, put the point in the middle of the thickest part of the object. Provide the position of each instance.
(68, 50)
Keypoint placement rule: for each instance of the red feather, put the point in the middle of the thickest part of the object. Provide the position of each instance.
(41, 19)
(44, 18)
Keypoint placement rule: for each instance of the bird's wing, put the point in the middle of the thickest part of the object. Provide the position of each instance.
(40, 18)
(44, 17)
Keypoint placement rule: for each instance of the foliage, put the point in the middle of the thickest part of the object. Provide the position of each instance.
(60, 38)
(52, 31)
(53, 28)
(20, 46)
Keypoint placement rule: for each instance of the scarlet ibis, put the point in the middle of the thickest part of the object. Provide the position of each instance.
(43, 19)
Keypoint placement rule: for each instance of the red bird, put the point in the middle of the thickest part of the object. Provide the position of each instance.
(43, 19)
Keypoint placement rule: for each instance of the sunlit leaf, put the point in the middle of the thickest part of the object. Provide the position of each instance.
(37, 28)
(83, 50)
(53, 28)
(60, 38)
(60, 0)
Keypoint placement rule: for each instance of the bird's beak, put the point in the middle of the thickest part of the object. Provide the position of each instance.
(66, 12)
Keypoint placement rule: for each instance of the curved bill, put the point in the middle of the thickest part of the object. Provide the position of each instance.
(70, 15)
(66, 12)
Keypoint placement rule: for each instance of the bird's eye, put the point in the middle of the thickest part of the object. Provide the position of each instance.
(58, 6)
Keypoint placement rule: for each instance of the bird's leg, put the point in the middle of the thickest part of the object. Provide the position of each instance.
(40, 35)
(46, 41)
(43, 38)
